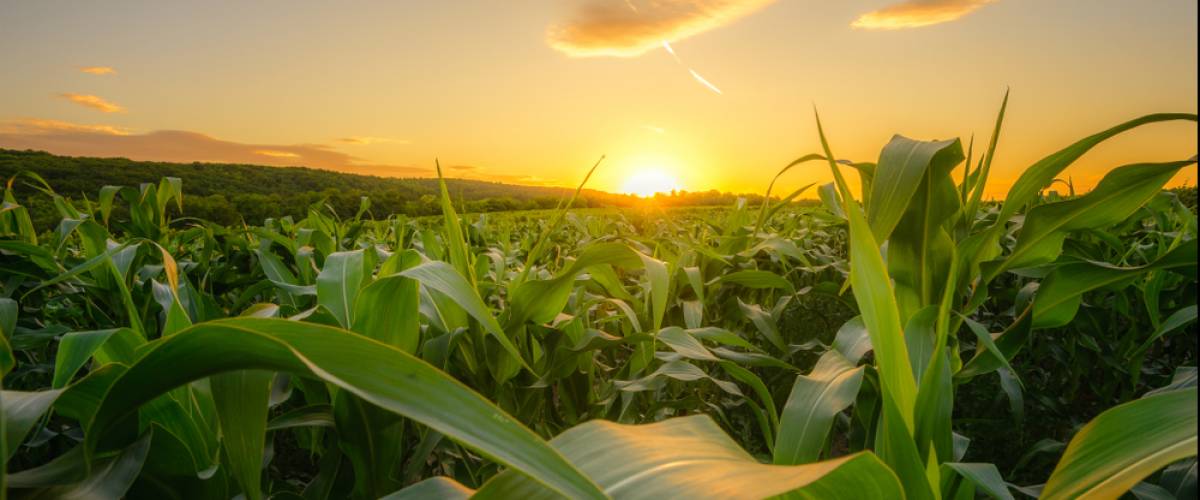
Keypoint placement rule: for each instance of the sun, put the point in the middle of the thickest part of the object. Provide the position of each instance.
(646, 182)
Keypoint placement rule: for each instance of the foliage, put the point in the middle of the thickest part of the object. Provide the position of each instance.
(228, 194)
(848, 351)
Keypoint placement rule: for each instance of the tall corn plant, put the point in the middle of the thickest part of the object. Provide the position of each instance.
(913, 300)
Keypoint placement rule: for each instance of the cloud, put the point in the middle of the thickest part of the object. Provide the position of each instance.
(482, 173)
(98, 70)
(34, 126)
(276, 154)
(183, 146)
(91, 101)
(366, 140)
(634, 27)
(528, 180)
(917, 13)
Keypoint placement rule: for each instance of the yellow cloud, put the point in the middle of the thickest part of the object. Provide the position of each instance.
(91, 101)
(634, 27)
(365, 140)
(917, 13)
(98, 70)
(36, 126)
(276, 154)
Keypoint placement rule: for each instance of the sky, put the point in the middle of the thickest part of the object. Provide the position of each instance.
(698, 94)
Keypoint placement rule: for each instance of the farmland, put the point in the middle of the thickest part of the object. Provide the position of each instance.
(909, 338)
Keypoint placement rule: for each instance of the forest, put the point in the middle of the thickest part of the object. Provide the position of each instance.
(232, 194)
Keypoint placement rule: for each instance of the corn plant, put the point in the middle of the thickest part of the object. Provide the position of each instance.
(777, 350)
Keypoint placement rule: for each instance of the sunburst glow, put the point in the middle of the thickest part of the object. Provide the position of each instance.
(646, 182)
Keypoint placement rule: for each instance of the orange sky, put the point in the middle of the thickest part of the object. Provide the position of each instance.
(712, 94)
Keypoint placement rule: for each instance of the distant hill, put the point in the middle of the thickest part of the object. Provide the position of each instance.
(230, 193)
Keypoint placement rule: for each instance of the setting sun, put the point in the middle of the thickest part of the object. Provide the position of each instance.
(647, 182)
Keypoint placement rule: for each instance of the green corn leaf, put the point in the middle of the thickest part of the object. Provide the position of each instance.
(22, 411)
(453, 232)
(976, 182)
(659, 278)
(1175, 321)
(1105, 459)
(691, 457)
(107, 194)
(764, 322)
(539, 248)
(1061, 293)
(339, 283)
(1009, 343)
(443, 278)
(815, 400)
(541, 300)
(241, 402)
(434, 487)
(1115, 198)
(985, 477)
(674, 370)
(408, 387)
(1041, 174)
(904, 165)
(109, 478)
(372, 438)
(898, 449)
(387, 310)
(753, 278)
(877, 302)
(318, 415)
(685, 344)
(75, 349)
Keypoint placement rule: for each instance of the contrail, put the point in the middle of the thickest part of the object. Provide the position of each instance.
(670, 50)
(701, 79)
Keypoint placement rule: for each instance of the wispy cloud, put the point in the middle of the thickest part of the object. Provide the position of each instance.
(359, 140)
(917, 13)
(183, 146)
(484, 173)
(91, 101)
(276, 154)
(634, 27)
(98, 70)
(36, 126)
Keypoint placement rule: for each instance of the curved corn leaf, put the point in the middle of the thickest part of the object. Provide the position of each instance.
(442, 277)
(387, 311)
(407, 386)
(1105, 459)
(22, 410)
(691, 457)
(1060, 294)
(540, 301)
(339, 282)
(1175, 321)
(434, 487)
(904, 165)
(74, 350)
(815, 400)
(754, 278)
(1118, 195)
(983, 476)
(1041, 174)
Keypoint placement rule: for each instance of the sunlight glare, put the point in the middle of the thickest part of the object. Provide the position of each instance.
(646, 182)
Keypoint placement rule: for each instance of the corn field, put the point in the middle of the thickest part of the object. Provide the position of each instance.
(847, 350)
